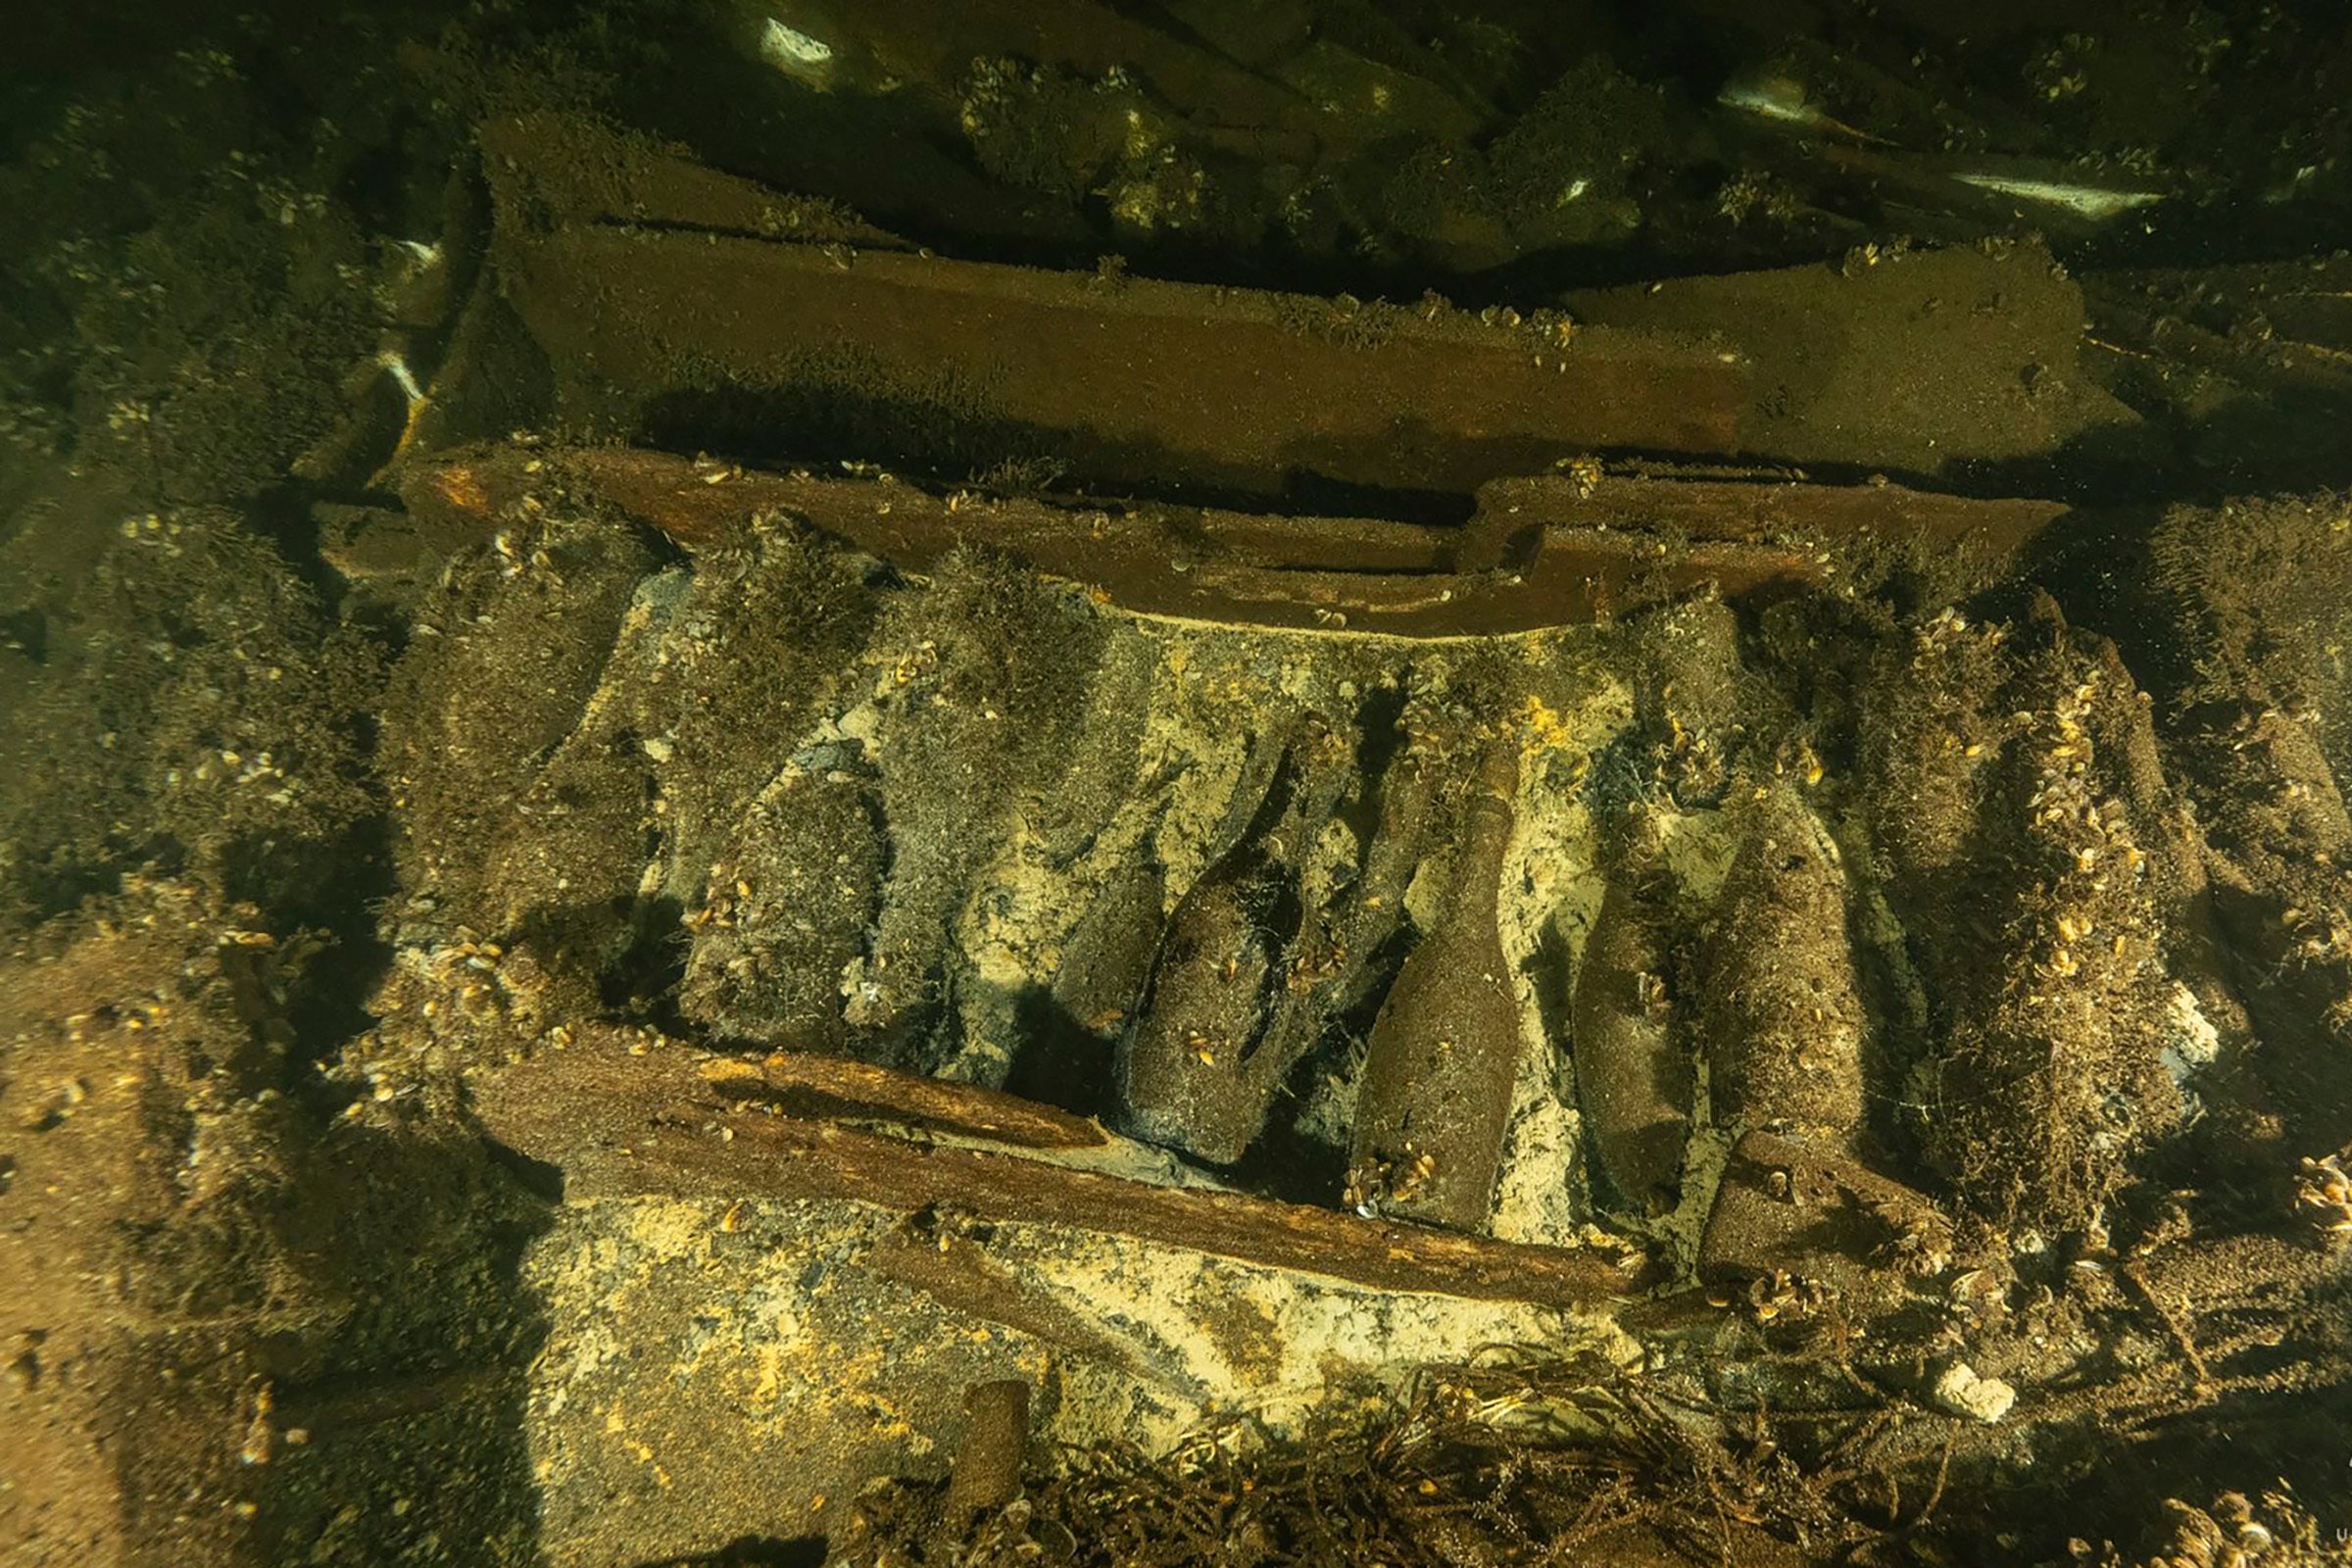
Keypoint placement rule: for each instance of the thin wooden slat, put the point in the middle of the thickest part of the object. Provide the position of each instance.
(1306, 573)
(806, 1083)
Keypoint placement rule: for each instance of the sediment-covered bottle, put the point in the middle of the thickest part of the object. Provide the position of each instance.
(1205, 1004)
(1191, 1071)
(1108, 960)
(1634, 1078)
(1783, 1011)
(1444, 1055)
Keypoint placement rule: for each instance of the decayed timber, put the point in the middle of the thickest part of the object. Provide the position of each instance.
(1770, 513)
(1145, 382)
(1558, 557)
(1135, 381)
(619, 1115)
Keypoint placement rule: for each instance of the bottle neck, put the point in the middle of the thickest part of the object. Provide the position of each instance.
(1486, 826)
(1476, 884)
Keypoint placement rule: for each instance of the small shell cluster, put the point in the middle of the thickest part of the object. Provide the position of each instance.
(1375, 1185)
(2323, 1195)
(1774, 1295)
(2226, 1534)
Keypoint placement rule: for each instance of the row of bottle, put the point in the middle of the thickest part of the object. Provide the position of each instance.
(1243, 983)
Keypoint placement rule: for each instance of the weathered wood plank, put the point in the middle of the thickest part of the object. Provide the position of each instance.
(1133, 380)
(1760, 513)
(1308, 573)
(623, 1115)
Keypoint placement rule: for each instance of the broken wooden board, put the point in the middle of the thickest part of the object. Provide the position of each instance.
(560, 166)
(686, 305)
(619, 1117)
(652, 296)
(1142, 381)
(1914, 362)
(1308, 573)
(1543, 551)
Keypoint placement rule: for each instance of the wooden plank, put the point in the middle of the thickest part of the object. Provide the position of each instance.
(621, 1114)
(1767, 512)
(1556, 550)
(1304, 574)
(550, 162)
(1137, 381)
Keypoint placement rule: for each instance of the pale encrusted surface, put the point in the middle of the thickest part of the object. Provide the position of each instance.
(754, 1363)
